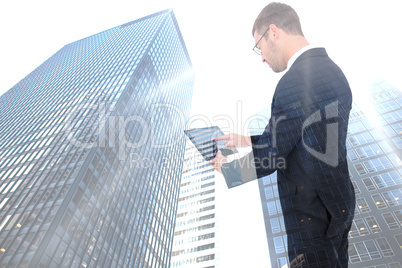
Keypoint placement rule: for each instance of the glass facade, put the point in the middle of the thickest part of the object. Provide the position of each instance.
(375, 152)
(196, 237)
(91, 150)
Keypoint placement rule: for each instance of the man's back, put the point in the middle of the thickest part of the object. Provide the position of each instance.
(314, 100)
(317, 196)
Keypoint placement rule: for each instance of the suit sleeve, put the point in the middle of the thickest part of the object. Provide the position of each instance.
(289, 110)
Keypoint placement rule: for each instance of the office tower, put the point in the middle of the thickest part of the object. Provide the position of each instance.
(374, 156)
(196, 236)
(91, 149)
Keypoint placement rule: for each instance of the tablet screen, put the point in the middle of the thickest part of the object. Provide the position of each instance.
(203, 140)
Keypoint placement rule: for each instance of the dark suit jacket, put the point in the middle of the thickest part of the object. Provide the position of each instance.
(305, 143)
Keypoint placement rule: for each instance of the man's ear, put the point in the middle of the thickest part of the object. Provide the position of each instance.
(274, 31)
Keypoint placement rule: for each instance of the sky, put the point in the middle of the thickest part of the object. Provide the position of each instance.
(230, 79)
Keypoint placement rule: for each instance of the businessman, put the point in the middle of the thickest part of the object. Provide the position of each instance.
(304, 142)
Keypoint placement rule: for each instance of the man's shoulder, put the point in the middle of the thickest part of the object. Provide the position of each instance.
(312, 53)
(312, 71)
(312, 64)
(313, 59)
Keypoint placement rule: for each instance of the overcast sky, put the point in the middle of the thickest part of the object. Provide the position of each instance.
(360, 36)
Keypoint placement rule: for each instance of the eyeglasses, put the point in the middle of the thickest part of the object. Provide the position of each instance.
(257, 49)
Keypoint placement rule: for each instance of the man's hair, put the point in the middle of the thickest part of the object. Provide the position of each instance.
(282, 15)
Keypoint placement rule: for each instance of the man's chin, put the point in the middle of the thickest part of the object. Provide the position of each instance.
(277, 70)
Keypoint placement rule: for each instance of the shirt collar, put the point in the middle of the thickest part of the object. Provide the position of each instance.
(298, 53)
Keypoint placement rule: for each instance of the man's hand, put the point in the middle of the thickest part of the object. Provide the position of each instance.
(235, 140)
(218, 161)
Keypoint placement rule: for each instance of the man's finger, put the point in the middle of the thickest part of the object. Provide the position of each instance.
(224, 137)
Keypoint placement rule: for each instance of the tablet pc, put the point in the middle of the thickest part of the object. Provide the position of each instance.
(203, 140)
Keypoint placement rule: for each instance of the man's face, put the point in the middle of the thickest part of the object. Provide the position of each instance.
(271, 51)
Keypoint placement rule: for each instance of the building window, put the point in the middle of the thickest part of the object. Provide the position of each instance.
(398, 238)
(205, 247)
(385, 146)
(398, 215)
(352, 155)
(274, 177)
(390, 132)
(205, 258)
(373, 225)
(266, 180)
(269, 193)
(394, 265)
(358, 228)
(356, 187)
(385, 247)
(394, 197)
(362, 205)
(205, 236)
(393, 116)
(369, 184)
(368, 151)
(356, 127)
(282, 262)
(363, 251)
(398, 128)
(395, 160)
(377, 164)
(360, 169)
(390, 220)
(386, 106)
(271, 208)
(279, 246)
(360, 139)
(379, 201)
(278, 205)
(398, 142)
(282, 221)
(387, 179)
(207, 185)
(275, 226)
(377, 134)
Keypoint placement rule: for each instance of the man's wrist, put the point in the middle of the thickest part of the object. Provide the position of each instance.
(248, 140)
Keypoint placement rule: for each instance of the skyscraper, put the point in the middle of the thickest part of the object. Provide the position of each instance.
(375, 151)
(196, 237)
(91, 149)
